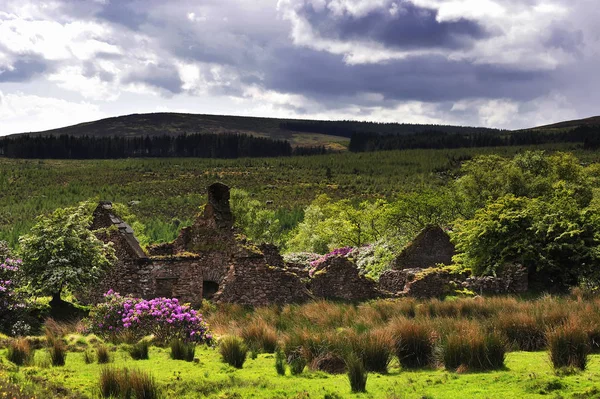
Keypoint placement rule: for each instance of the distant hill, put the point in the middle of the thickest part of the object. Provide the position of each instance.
(593, 121)
(334, 135)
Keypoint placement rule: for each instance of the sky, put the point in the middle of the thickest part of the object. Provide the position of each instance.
(496, 63)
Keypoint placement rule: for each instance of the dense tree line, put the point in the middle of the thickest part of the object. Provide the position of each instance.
(351, 128)
(193, 145)
(437, 139)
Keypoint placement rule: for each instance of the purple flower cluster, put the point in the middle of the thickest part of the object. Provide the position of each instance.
(8, 270)
(343, 252)
(165, 318)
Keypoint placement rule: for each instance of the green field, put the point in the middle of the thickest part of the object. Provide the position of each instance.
(527, 375)
(171, 191)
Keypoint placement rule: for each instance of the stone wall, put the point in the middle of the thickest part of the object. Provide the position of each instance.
(338, 278)
(395, 280)
(436, 282)
(257, 284)
(431, 247)
(513, 279)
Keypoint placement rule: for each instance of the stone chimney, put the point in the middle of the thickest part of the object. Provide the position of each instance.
(218, 207)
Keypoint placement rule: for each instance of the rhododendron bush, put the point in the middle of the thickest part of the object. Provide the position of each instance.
(165, 318)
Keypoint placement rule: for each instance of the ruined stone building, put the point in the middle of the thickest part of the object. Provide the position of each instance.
(208, 260)
(211, 260)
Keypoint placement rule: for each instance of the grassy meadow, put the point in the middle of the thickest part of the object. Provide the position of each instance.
(327, 330)
(170, 191)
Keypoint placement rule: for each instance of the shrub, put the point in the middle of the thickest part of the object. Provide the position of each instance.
(260, 336)
(569, 346)
(58, 352)
(357, 373)
(19, 352)
(13, 305)
(135, 318)
(102, 354)
(233, 351)
(88, 357)
(279, 362)
(413, 343)
(181, 350)
(139, 351)
(473, 350)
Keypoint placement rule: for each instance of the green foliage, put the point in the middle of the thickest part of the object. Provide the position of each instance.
(331, 224)
(62, 252)
(412, 212)
(555, 239)
(259, 224)
(375, 259)
(532, 174)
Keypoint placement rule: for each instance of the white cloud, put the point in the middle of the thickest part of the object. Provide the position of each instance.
(22, 112)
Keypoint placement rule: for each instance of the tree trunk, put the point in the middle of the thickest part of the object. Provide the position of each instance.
(56, 301)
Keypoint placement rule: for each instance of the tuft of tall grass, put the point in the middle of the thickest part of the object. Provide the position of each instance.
(233, 351)
(259, 336)
(58, 352)
(102, 354)
(280, 361)
(19, 352)
(413, 343)
(523, 331)
(473, 350)
(568, 346)
(143, 386)
(375, 348)
(110, 382)
(357, 373)
(54, 328)
(139, 350)
(88, 356)
(181, 350)
(125, 383)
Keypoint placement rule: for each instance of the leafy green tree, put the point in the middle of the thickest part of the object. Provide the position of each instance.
(331, 224)
(61, 252)
(412, 212)
(532, 174)
(258, 223)
(556, 239)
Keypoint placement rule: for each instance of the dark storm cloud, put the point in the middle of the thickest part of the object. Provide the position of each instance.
(160, 76)
(23, 70)
(408, 27)
(425, 78)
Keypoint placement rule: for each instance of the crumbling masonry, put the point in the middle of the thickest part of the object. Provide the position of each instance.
(211, 260)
